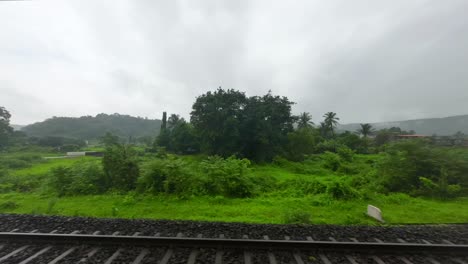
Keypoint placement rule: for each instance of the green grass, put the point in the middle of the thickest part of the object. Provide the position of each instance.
(271, 207)
(396, 210)
(45, 166)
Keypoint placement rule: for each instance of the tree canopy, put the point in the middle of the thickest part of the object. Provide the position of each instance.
(5, 129)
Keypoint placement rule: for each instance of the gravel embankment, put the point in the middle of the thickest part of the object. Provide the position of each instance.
(413, 233)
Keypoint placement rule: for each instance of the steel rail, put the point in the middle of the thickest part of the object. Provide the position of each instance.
(146, 241)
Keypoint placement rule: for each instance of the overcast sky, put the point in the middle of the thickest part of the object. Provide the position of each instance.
(367, 61)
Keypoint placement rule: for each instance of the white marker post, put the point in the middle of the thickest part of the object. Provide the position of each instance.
(375, 213)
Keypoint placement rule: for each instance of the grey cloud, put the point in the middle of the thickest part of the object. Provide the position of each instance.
(366, 60)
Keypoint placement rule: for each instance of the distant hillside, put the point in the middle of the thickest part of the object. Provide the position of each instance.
(16, 127)
(440, 126)
(89, 127)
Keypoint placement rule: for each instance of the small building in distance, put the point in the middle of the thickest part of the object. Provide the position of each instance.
(85, 153)
(414, 136)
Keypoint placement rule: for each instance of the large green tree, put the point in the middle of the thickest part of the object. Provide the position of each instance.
(217, 117)
(5, 129)
(268, 120)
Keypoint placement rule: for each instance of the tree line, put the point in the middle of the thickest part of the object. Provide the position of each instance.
(227, 122)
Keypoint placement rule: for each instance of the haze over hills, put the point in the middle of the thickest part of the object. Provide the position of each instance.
(89, 127)
(440, 126)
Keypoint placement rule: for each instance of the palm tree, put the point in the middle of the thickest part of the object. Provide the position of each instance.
(331, 120)
(305, 121)
(323, 129)
(366, 130)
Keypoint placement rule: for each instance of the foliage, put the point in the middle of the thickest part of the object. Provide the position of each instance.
(297, 216)
(301, 143)
(415, 167)
(78, 179)
(228, 177)
(346, 153)
(332, 161)
(228, 123)
(19, 161)
(329, 124)
(109, 139)
(5, 129)
(8, 205)
(268, 121)
(178, 137)
(301, 187)
(304, 121)
(341, 190)
(365, 130)
(217, 117)
(120, 167)
(354, 142)
(383, 137)
(169, 176)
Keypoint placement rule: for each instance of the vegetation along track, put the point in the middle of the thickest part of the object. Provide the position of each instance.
(40, 239)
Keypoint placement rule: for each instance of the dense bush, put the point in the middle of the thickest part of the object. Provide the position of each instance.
(417, 168)
(19, 183)
(341, 190)
(169, 176)
(214, 176)
(80, 178)
(302, 187)
(120, 167)
(19, 161)
(332, 161)
(346, 153)
(228, 177)
(328, 145)
(309, 166)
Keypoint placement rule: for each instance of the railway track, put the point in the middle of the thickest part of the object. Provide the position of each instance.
(78, 247)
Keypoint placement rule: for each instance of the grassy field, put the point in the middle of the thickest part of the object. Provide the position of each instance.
(272, 207)
(397, 209)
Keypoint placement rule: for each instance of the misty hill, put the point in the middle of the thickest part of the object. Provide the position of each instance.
(16, 127)
(89, 127)
(440, 126)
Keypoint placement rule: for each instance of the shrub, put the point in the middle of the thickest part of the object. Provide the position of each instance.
(328, 145)
(302, 187)
(120, 167)
(169, 176)
(297, 216)
(80, 178)
(348, 168)
(228, 177)
(341, 190)
(13, 163)
(309, 166)
(415, 167)
(331, 161)
(346, 153)
(8, 205)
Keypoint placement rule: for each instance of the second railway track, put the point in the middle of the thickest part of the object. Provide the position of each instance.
(53, 239)
(33, 247)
